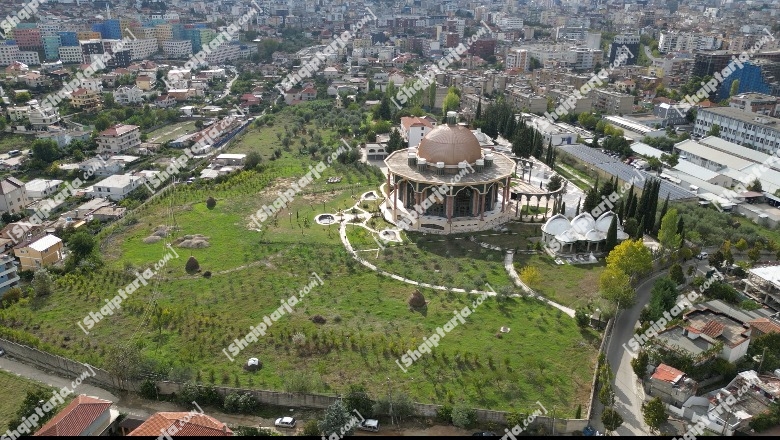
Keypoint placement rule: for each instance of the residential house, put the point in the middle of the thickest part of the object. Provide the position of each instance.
(145, 82)
(13, 195)
(42, 188)
(413, 129)
(116, 187)
(127, 95)
(9, 276)
(86, 99)
(119, 138)
(38, 252)
(41, 118)
(671, 385)
(84, 416)
(376, 151)
(230, 159)
(182, 424)
(165, 101)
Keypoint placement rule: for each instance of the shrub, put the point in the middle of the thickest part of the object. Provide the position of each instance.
(192, 265)
(310, 429)
(231, 403)
(463, 417)
(318, 319)
(582, 318)
(211, 203)
(148, 389)
(416, 299)
(445, 414)
(207, 274)
(247, 404)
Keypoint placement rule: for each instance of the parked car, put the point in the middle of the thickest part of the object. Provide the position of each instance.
(703, 255)
(2, 352)
(369, 425)
(285, 422)
(484, 434)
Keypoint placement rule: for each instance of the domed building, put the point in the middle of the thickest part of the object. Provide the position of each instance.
(582, 233)
(448, 184)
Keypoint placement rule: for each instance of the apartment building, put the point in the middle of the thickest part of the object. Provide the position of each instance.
(142, 48)
(612, 103)
(223, 53)
(625, 47)
(687, 41)
(516, 59)
(70, 54)
(756, 103)
(750, 130)
(177, 49)
(9, 276)
(10, 53)
(413, 129)
(86, 99)
(13, 195)
(28, 39)
(117, 187)
(41, 118)
(119, 138)
(127, 95)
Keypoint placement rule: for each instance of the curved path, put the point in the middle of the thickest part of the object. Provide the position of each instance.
(363, 217)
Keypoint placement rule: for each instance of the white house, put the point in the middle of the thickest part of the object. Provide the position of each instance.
(42, 188)
(126, 95)
(116, 187)
(413, 129)
(119, 138)
(13, 195)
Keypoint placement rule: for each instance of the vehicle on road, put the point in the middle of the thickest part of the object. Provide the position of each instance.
(369, 425)
(285, 422)
(484, 434)
(702, 255)
(2, 352)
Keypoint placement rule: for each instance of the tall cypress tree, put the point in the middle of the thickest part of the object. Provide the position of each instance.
(641, 207)
(612, 235)
(664, 207)
(631, 208)
(640, 229)
(579, 203)
(479, 109)
(653, 206)
(681, 231)
(620, 210)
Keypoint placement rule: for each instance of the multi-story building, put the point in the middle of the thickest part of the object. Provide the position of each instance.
(127, 95)
(223, 53)
(91, 48)
(117, 187)
(484, 48)
(70, 54)
(671, 114)
(516, 59)
(163, 33)
(707, 63)
(8, 273)
(28, 39)
(109, 29)
(68, 39)
(41, 118)
(117, 139)
(86, 99)
(49, 28)
(585, 59)
(51, 47)
(413, 129)
(88, 35)
(687, 41)
(756, 103)
(13, 195)
(142, 48)
(744, 128)
(612, 103)
(625, 47)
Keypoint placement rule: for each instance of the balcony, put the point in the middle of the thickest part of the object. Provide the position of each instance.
(10, 282)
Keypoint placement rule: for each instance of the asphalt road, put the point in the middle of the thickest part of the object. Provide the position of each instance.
(629, 392)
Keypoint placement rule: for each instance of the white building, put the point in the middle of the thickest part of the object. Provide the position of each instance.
(142, 48)
(750, 130)
(118, 139)
(127, 95)
(94, 84)
(11, 53)
(517, 59)
(413, 129)
(42, 188)
(116, 187)
(13, 195)
(70, 54)
(177, 49)
(223, 53)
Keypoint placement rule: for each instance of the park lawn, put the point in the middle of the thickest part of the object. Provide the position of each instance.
(182, 323)
(450, 261)
(520, 236)
(10, 142)
(570, 285)
(15, 389)
(265, 139)
(171, 132)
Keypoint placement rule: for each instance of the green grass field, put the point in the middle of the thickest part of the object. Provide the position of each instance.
(10, 142)
(181, 323)
(570, 285)
(171, 132)
(15, 389)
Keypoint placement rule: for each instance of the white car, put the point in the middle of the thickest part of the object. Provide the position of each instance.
(285, 422)
(369, 425)
(703, 255)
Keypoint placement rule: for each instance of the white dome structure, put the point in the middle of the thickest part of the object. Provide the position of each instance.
(583, 233)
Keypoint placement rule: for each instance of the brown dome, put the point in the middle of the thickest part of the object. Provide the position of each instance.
(451, 144)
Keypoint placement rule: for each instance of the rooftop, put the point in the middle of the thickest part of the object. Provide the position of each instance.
(186, 424)
(118, 130)
(667, 374)
(80, 413)
(45, 243)
(741, 115)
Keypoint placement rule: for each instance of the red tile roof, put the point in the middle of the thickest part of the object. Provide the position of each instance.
(76, 417)
(713, 329)
(764, 325)
(413, 121)
(667, 374)
(186, 423)
(118, 130)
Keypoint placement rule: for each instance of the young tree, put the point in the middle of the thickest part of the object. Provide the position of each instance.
(451, 101)
(611, 235)
(654, 414)
(555, 183)
(592, 200)
(615, 286)
(396, 142)
(337, 417)
(631, 257)
(611, 419)
(357, 398)
(676, 273)
(667, 235)
(639, 364)
(42, 283)
(664, 208)
(192, 265)
(755, 185)
(211, 202)
(531, 276)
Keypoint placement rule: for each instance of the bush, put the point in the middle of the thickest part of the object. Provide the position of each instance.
(310, 429)
(582, 318)
(207, 274)
(318, 319)
(231, 403)
(192, 265)
(463, 417)
(148, 390)
(247, 404)
(211, 203)
(444, 414)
